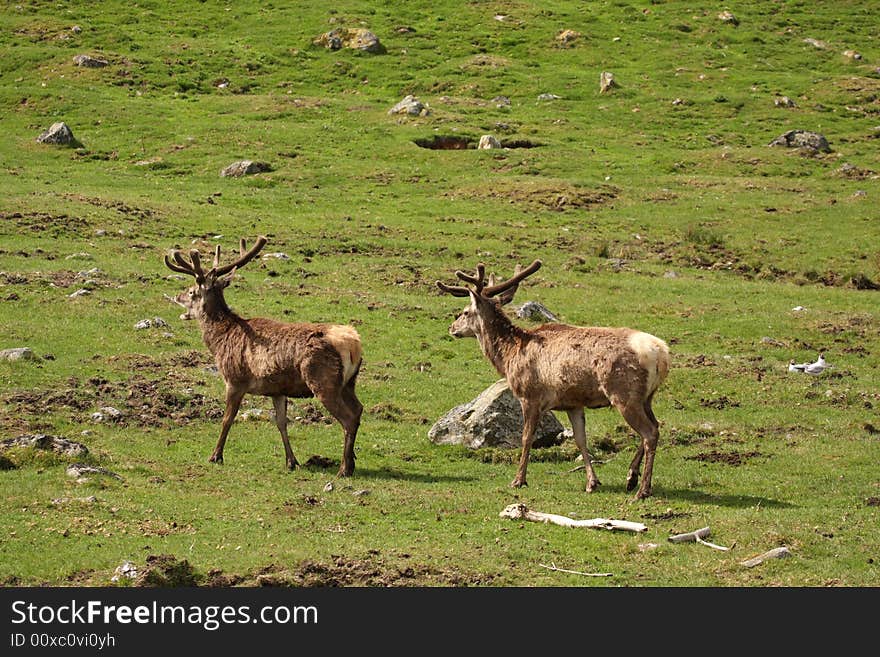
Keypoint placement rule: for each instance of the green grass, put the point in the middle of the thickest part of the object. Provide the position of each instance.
(672, 217)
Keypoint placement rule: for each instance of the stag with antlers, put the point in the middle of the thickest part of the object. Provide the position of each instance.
(270, 358)
(567, 368)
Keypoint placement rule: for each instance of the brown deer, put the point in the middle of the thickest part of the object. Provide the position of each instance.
(269, 358)
(566, 368)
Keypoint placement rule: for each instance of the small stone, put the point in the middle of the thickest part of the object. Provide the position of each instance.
(277, 256)
(87, 61)
(78, 293)
(728, 17)
(816, 43)
(784, 101)
(411, 106)
(536, 312)
(567, 37)
(244, 168)
(549, 97)
(852, 54)
(809, 141)
(78, 470)
(18, 353)
(606, 82)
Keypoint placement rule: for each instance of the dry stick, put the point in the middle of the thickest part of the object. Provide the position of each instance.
(521, 511)
(552, 566)
(697, 536)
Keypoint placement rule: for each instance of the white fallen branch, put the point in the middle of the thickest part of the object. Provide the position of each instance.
(520, 511)
(697, 536)
(775, 553)
(553, 566)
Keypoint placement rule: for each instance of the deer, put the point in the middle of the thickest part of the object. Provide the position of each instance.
(566, 368)
(270, 358)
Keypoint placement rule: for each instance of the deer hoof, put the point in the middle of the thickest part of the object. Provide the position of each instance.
(593, 485)
(291, 465)
(642, 494)
(216, 459)
(631, 482)
(516, 483)
(346, 470)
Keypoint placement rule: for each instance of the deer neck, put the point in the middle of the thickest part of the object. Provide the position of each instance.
(499, 339)
(216, 319)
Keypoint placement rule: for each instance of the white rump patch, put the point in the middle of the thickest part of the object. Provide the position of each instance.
(653, 355)
(347, 342)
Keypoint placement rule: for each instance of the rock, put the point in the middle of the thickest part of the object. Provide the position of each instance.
(58, 133)
(811, 141)
(853, 172)
(411, 106)
(18, 353)
(493, 419)
(277, 256)
(852, 54)
(549, 97)
(728, 17)
(60, 501)
(567, 37)
(156, 322)
(816, 43)
(244, 168)
(107, 413)
(536, 312)
(356, 38)
(501, 101)
(127, 570)
(46, 442)
(606, 82)
(80, 470)
(783, 101)
(254, 414)
(488, 141)
(78, 293)
(772, 342)
(87, 61)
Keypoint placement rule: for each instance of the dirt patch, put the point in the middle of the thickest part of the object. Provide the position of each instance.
(44, 222)
(542, 195)
(719, 403)
(872, 501)
(669, 514)
(165, 570)
(727, 458)
(321, 462)
(311, 413)
(120, 207)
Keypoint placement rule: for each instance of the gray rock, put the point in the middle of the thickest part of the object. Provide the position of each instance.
(606, 82)
(784, 101)
(80, 470)
(549, 97)
(411, 106)
(536, 312)
(357, 38)
(127, 570)
(87, 61)
(18, 353)
(155, 322)
(58, 133)
(244, 168)
(816, 43)
(493, 419)
(488, 141)
(46, 442)
(811, 141)
(728, 17)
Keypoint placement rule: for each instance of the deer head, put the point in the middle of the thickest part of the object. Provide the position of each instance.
(486, 298)
(205, 298)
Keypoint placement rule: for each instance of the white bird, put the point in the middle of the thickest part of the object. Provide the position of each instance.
(818, 367)
(796, 367)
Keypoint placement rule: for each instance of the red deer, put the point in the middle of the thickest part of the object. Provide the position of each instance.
(270, 358)
(566, 368)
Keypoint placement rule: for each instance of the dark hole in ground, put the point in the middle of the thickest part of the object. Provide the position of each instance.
(441, 143)
(450, 143)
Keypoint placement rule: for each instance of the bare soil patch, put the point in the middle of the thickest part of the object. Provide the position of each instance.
(543, 195)
(727, 458)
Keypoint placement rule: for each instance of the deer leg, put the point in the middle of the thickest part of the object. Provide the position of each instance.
(632, 477)
(531, 415)
(578, 428)
(640, 418)
(280, 402)
(233, 402)
(346, 469)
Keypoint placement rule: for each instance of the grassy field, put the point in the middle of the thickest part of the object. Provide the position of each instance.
(658, 205)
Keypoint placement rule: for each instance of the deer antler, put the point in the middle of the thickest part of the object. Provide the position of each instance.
(244, 257)
(512, 282)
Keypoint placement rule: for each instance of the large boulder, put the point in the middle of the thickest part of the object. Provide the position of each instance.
(804, 139)
(493, 419)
